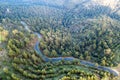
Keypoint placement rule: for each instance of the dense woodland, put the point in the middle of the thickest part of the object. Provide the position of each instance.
(85, 34)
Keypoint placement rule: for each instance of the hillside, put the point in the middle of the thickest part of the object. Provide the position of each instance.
(59, 40)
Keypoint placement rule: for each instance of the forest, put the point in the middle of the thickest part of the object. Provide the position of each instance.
(46, 41)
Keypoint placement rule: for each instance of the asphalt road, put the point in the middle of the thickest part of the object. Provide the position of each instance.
(47, 59)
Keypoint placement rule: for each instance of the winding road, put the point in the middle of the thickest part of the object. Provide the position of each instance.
(83, 62)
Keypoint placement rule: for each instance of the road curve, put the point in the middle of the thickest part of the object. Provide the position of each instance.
(47, 59)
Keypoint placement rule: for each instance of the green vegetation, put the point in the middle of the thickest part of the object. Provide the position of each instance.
(99, 44)
(95, 44)
(26, 64)
(56, 43)
(3, 34)
(91, 35)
